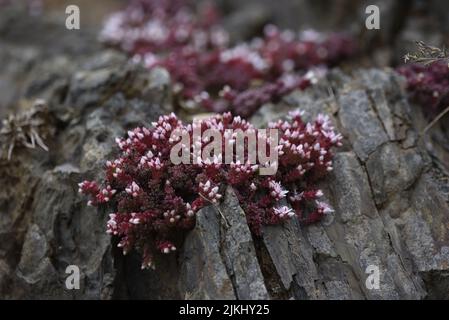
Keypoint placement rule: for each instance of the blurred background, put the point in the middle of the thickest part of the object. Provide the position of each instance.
(35, 29)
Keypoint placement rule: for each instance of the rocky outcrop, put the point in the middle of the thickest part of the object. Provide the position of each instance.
(45, 225)
(389, 193)
(229, 256)
(390, 209)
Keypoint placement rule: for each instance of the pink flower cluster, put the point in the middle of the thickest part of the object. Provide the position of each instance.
(154, 200)
(34, 7)
(210, 73)
(428, 85)
(146, 26)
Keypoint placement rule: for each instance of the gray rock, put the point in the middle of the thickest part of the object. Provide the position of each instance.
(362, 123)
(228, 269)
(381, 189)
(246, 22)
(292, 258)
(46, 223)
(13, 70)
(392, 170)
(204, 276)
(238, 251)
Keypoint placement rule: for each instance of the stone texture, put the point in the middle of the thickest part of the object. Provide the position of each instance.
(228, 269)
(356, 110)
(238, 251)
(389, 194)
(390, 210)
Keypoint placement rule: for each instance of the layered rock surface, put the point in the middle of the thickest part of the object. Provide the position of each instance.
(389, 194)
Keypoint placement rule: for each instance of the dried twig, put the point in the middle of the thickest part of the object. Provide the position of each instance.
(427, 54)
